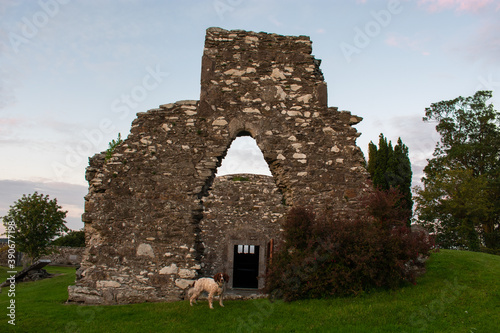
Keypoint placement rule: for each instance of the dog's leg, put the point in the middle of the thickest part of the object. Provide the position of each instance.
(196, 293)
(210, 298)
(221, 299)
(221, 295)
(190, 295)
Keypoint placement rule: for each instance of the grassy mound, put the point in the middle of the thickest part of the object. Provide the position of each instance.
(459, 293)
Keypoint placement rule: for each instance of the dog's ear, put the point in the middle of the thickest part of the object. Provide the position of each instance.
(226, 277)
(218, 277)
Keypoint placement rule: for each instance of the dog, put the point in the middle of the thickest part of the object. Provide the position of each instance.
(215, 286)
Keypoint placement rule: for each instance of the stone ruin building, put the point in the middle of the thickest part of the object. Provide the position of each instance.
(156, 217)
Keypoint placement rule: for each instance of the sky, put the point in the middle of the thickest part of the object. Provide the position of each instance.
(74, 73)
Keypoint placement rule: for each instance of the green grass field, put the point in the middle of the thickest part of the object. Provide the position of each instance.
(459, 293)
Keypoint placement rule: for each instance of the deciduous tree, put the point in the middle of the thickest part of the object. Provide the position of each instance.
(32, 222)
(460, 197)
(73, 239)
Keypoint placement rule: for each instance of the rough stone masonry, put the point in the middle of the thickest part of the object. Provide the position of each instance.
(150, 223)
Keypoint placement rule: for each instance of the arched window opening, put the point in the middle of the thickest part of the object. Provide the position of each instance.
(244, 156)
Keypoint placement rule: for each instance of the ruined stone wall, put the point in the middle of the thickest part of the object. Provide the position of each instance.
(65, 255)
(144, 207)
(141, 210)
(271, 87)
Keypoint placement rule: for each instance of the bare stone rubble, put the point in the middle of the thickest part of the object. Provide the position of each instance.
(147, 223)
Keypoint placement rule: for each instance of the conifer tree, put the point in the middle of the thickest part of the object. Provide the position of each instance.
(391, 168)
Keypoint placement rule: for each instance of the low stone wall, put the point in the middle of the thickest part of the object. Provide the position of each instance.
(4, 255)
(65, 255)
(62, 255)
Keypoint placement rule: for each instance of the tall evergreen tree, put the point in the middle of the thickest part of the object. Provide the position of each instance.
(372, 151)
(403, 173)
(391, 168)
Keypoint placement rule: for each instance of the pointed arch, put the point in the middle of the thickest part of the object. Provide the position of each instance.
(244, 156)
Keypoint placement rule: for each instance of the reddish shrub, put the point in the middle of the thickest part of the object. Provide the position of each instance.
(385, 207)
(298, 227)
(322, 257)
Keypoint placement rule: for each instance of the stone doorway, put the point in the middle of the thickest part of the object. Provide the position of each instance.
(246, 266)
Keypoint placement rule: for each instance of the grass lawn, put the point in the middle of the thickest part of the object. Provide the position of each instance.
(459, 293)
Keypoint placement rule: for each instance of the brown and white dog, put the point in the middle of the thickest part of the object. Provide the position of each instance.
(215, 286)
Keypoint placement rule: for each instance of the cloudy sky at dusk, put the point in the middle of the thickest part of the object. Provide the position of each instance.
(74, 73)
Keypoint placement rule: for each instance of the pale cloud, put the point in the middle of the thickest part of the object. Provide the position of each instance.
(485, 44)
(392, 41)
(416, 44)
(8, 127)
(9, 122)
(69, 196)
(74, 211)
(5, 5)
(480, 46)
(6, 92)
(275, 21)
(244, 156)
(420, 137)
(457, 5)
(38, 131)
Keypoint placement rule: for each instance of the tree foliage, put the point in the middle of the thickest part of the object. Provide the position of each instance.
(460, 197)
(32, 222)
(391, 168)
(73, 239)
